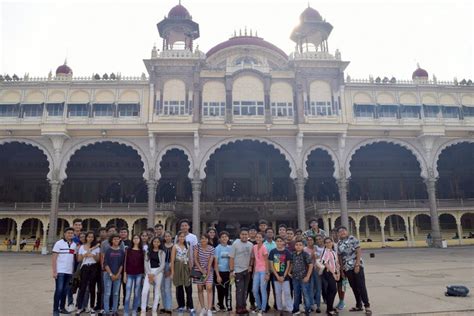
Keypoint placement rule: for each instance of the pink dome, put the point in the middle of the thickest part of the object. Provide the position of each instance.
(64, 70)
(310, 15)
(419, 73)
(179, 12)
(246, 40)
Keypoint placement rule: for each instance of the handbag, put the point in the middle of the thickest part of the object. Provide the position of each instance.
(320, 265)
(196, 274)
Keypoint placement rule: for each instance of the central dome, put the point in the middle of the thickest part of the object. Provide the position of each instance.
(179, 12)
(244, 41)
(310, 15)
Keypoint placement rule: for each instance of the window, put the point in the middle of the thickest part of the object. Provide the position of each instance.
(410, 112)
(32, 110)
(282, 109)
(467, 111)
(321, 108)
(248, 108)
(214, 109)
(55, 109)
(174, 108)
(78, 110)
(364, 110)
(103, 109)
(130, 109)
(450, 112)
(388, 111)
(431, 111)
(8, 110)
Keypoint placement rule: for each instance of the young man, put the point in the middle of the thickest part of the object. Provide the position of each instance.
(64, 251)
(314, 229)
(319, 248)
(240, 253)
(252, 239)
(262, 226)
(282, 231)
(270, 244)
(222, 268)
(290, 239)
(191, 239)
(301, 269)
(159, 231)
(77, 226)
(123, 233)
(102, 235)
(350, 257)
(280, 263)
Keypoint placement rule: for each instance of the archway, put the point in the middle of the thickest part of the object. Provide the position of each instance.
(118, 222)
(447, 224)
(8, 231)
(31, 229)
(385, 171)
(395, 228)
(139, 226)
(421, 225)
(370, 229)
(174, 184)
(352, 225)
(23, 174)
(467, 224)
(321, 185)
(62, 224)
(104, 172)
(233, 219)
(90, 224)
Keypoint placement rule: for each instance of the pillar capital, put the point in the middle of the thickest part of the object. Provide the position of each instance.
(342, 183)
(430, 183)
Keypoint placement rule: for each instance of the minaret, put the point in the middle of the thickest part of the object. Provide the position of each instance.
(178, 29)
(311, 30)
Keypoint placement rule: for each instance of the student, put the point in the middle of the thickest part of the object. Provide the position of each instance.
(113, 264)
(350, 256)
(261, 274)
(270, 244)
(319, 245)
(203, 259)
(330, 275)
(158, 230)
(290, 239)
(191, 239)
(262, 226)
(144, 240)
(301, 270)
(77, 226)
(181, 272)
(89, 255)
(282, 231)
(63, 268)
(341, 284)
(315, 278)
(314, 229)
(123, 233)
(154, 267)
(250, 294)
(239, 268)
(213, 241)
(133, 274)
(100, 237)
(280, 263)
(222, 268)
(166, 283)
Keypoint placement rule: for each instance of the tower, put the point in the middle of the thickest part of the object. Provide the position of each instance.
(312, 32)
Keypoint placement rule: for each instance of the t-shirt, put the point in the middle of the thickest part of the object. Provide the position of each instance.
(66, 251)
(135, 261)
(347, 250)
(241, 252)
(222, 256)
(319, 251)
(300, 262)
(260, 254)
(192, 241)
(280, 260)
(89, 260)
(270, 245)
(114, 259)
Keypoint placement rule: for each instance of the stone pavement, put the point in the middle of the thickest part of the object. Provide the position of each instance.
(408, 281)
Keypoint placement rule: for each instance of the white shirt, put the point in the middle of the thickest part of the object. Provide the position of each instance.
(319, 251)
(89, 260)
(66, 252)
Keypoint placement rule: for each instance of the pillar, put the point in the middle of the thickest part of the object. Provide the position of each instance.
(18, 237)
(358, 230)
(435, 229)
(12, 229)
(342, 186)
(408, 228)
(326, 224)
(367, 229)
(299, 184)
(390, 226)
(458, 224)
(151, 185)
(38, 230)
(382, 231)
(196, 184)
(53, 214)
(274, 227)
(44, 248)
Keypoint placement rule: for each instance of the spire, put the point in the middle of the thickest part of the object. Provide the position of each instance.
(65, 61)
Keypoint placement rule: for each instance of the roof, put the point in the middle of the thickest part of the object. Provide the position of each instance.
(243, 41)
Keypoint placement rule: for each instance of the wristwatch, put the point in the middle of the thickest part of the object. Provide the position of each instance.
(111, 274)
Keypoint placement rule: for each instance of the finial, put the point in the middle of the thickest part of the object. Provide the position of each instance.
(256, 34)
(240, 32)
(418, 65)
(179, 2)
(245, 30)
(251, 32)
(65, 61)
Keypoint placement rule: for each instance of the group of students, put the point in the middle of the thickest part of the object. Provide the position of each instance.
(297, 267)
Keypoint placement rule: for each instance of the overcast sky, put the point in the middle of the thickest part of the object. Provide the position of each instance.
(378, 37)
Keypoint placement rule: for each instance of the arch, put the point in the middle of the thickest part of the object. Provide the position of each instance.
(248, 88)
(213, 91)
(447, 221)
(352, 224)
(376, 228)
(428, 99)
(386, 98)
(174, 90)
(467, 221)
(362, 98)
(426, 225)
(129, 95)
(7, 221)
(34, 96)
(11, 96)
(447, 99)
(441, 148)
(104, 96)
(34, 220)
(79, 96)
(278, 147)
(163, 152)
(281, 91)
(391, 229)
(138, 226)
(56, 96)
(90, 224)
(394, 141)
(30, 142)
(408, 98)
(117, 221)
(331, 153)
(467, 99)
(67, 156)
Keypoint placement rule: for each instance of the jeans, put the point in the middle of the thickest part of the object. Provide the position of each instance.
(272, 285)
(224, 291)
(189, 296)
(134, 284)
(330, 290)
(166, 289)
(241, 286)
(299, 288)
(259, 288)
(316, 284)
(60, 292)
(88, 275)
(156, 289)
(357, 282)
(111, 288)
(283, 293)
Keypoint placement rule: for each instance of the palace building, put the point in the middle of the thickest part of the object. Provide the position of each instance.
(241, 132)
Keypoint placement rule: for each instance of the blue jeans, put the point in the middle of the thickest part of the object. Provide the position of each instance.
(316, 285)
(134, 283)
(111, 288)
(300, 287)
(166, 289)
(60, 292)
(260, 287)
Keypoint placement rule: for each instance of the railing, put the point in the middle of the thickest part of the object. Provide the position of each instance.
(181, 53)
(116, 78)
(390, 204)
(72, 206)
(363, 81)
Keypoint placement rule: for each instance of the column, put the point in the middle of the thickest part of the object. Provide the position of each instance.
(38, 230)
(53, 214)
(151, 184)
(299, 184)
(274, 227)
(357, 225)
(458, 224)
(382, 231)
(342, 185)
(44, 248)
(196, 184)
(390, 226)
(411, 222)
(435, 229)
(367, 228)
(18, 237)
(326, 224)
(408, 228)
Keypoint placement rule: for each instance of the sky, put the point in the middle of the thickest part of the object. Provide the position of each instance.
(378, 37)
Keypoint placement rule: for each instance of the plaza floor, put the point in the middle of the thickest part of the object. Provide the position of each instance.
(409, 281)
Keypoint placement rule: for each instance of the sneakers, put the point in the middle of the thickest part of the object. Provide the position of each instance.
(341, 305)
(259, 313)
(71, 308)
(296, 312)
(64, 311)
(209, 312)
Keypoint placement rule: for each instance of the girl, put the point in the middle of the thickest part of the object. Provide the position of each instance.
(214, 242)
(315, 278)
(113, 263)
(144, 238)
(330, 274)
(89, 255)
(134, 269)
(261, 274)
(203, 259)
(166, 284)
(154, 266)
(222, 269)
(180, 273)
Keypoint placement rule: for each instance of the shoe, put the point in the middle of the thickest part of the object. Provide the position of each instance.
(209, 312)
(341, 305)
(259, 313)
(192, 311)
(318, 310)
(296, 312)
(56, 313)
(71, 308)
(64, 311)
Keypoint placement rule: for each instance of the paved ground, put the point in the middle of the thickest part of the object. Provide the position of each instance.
(400, 282)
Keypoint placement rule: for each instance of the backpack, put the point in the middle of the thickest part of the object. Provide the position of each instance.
(457, 290)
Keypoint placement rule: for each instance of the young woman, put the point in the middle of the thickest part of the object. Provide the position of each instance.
(330, 274)
(166, 283)
(113, 263)
(134, 269)
(89, 254)
(145, 240)
(222, 269)
(214, 242)
(310, 249)
(154, 267)
(181, 272)
(203, 259)
(82, 238)
(261, 274)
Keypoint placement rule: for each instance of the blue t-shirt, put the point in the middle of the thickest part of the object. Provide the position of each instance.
(114, 259)
(222, 256)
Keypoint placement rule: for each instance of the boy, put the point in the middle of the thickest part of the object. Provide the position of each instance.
(302, 266)
(239, 267)
(222, 269)
(280, 263)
